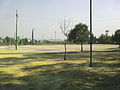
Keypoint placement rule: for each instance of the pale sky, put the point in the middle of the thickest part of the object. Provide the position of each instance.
(45, 16)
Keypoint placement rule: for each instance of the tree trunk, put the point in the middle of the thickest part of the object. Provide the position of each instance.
(81, 47)
(65, 51)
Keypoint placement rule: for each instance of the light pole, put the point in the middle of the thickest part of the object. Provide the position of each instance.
(55, 36)
(16, 42)
(91, 33)
(43, 38)
(32, 36)
(106, 32)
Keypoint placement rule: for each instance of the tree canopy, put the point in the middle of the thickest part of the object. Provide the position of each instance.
(116, 37)
(104, 39)
(79, 34)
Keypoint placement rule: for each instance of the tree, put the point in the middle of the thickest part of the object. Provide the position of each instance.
(104, 39)
(65, 27)
(1, 41)
(8, 40)
(112, 39)
(94, 39)
(79, 34)
(23, 41)
(116, 37)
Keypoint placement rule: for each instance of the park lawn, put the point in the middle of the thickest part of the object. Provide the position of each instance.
(51, 72)
(13, 51)
(20, 51)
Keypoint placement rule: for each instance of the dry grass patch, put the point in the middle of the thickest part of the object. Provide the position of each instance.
(51, 72)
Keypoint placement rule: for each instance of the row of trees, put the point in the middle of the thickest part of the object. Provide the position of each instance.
(80, 35)
(25, 41)
(11, 41)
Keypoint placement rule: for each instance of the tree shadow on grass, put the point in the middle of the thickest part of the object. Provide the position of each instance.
(8, 61)
(15, 60)
(62, 75)
(7, 82)
(76, 56)
(66, 77)
(71, 78)
(107, 56)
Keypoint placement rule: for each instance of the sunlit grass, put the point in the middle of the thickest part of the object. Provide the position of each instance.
(17, 51)
(51, 72)
(54, 48)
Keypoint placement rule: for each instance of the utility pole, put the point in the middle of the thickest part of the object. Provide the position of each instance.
(91, 33)
(106, 32)
(43, 38)
(106, 41)
(16, 43)
(55, 36)
(32, 36)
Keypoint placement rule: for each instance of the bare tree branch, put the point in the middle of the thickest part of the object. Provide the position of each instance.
(65, 27)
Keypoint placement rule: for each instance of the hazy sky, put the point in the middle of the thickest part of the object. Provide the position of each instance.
(45, 16)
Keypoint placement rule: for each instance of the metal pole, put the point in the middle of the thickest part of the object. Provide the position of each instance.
(16, 43)
(43, 39)
(55, 37)
(65, 51)
(90, 33)
(32, 36)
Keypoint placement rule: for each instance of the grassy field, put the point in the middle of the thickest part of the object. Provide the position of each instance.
(51, 72)
(54, 48)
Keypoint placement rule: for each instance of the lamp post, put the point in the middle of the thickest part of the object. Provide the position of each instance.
(55, 36)
(16, 42)
(32, 36)
(91, 33)
(106, 32)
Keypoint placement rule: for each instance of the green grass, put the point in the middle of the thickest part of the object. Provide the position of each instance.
(51, 72)
(18, 51)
